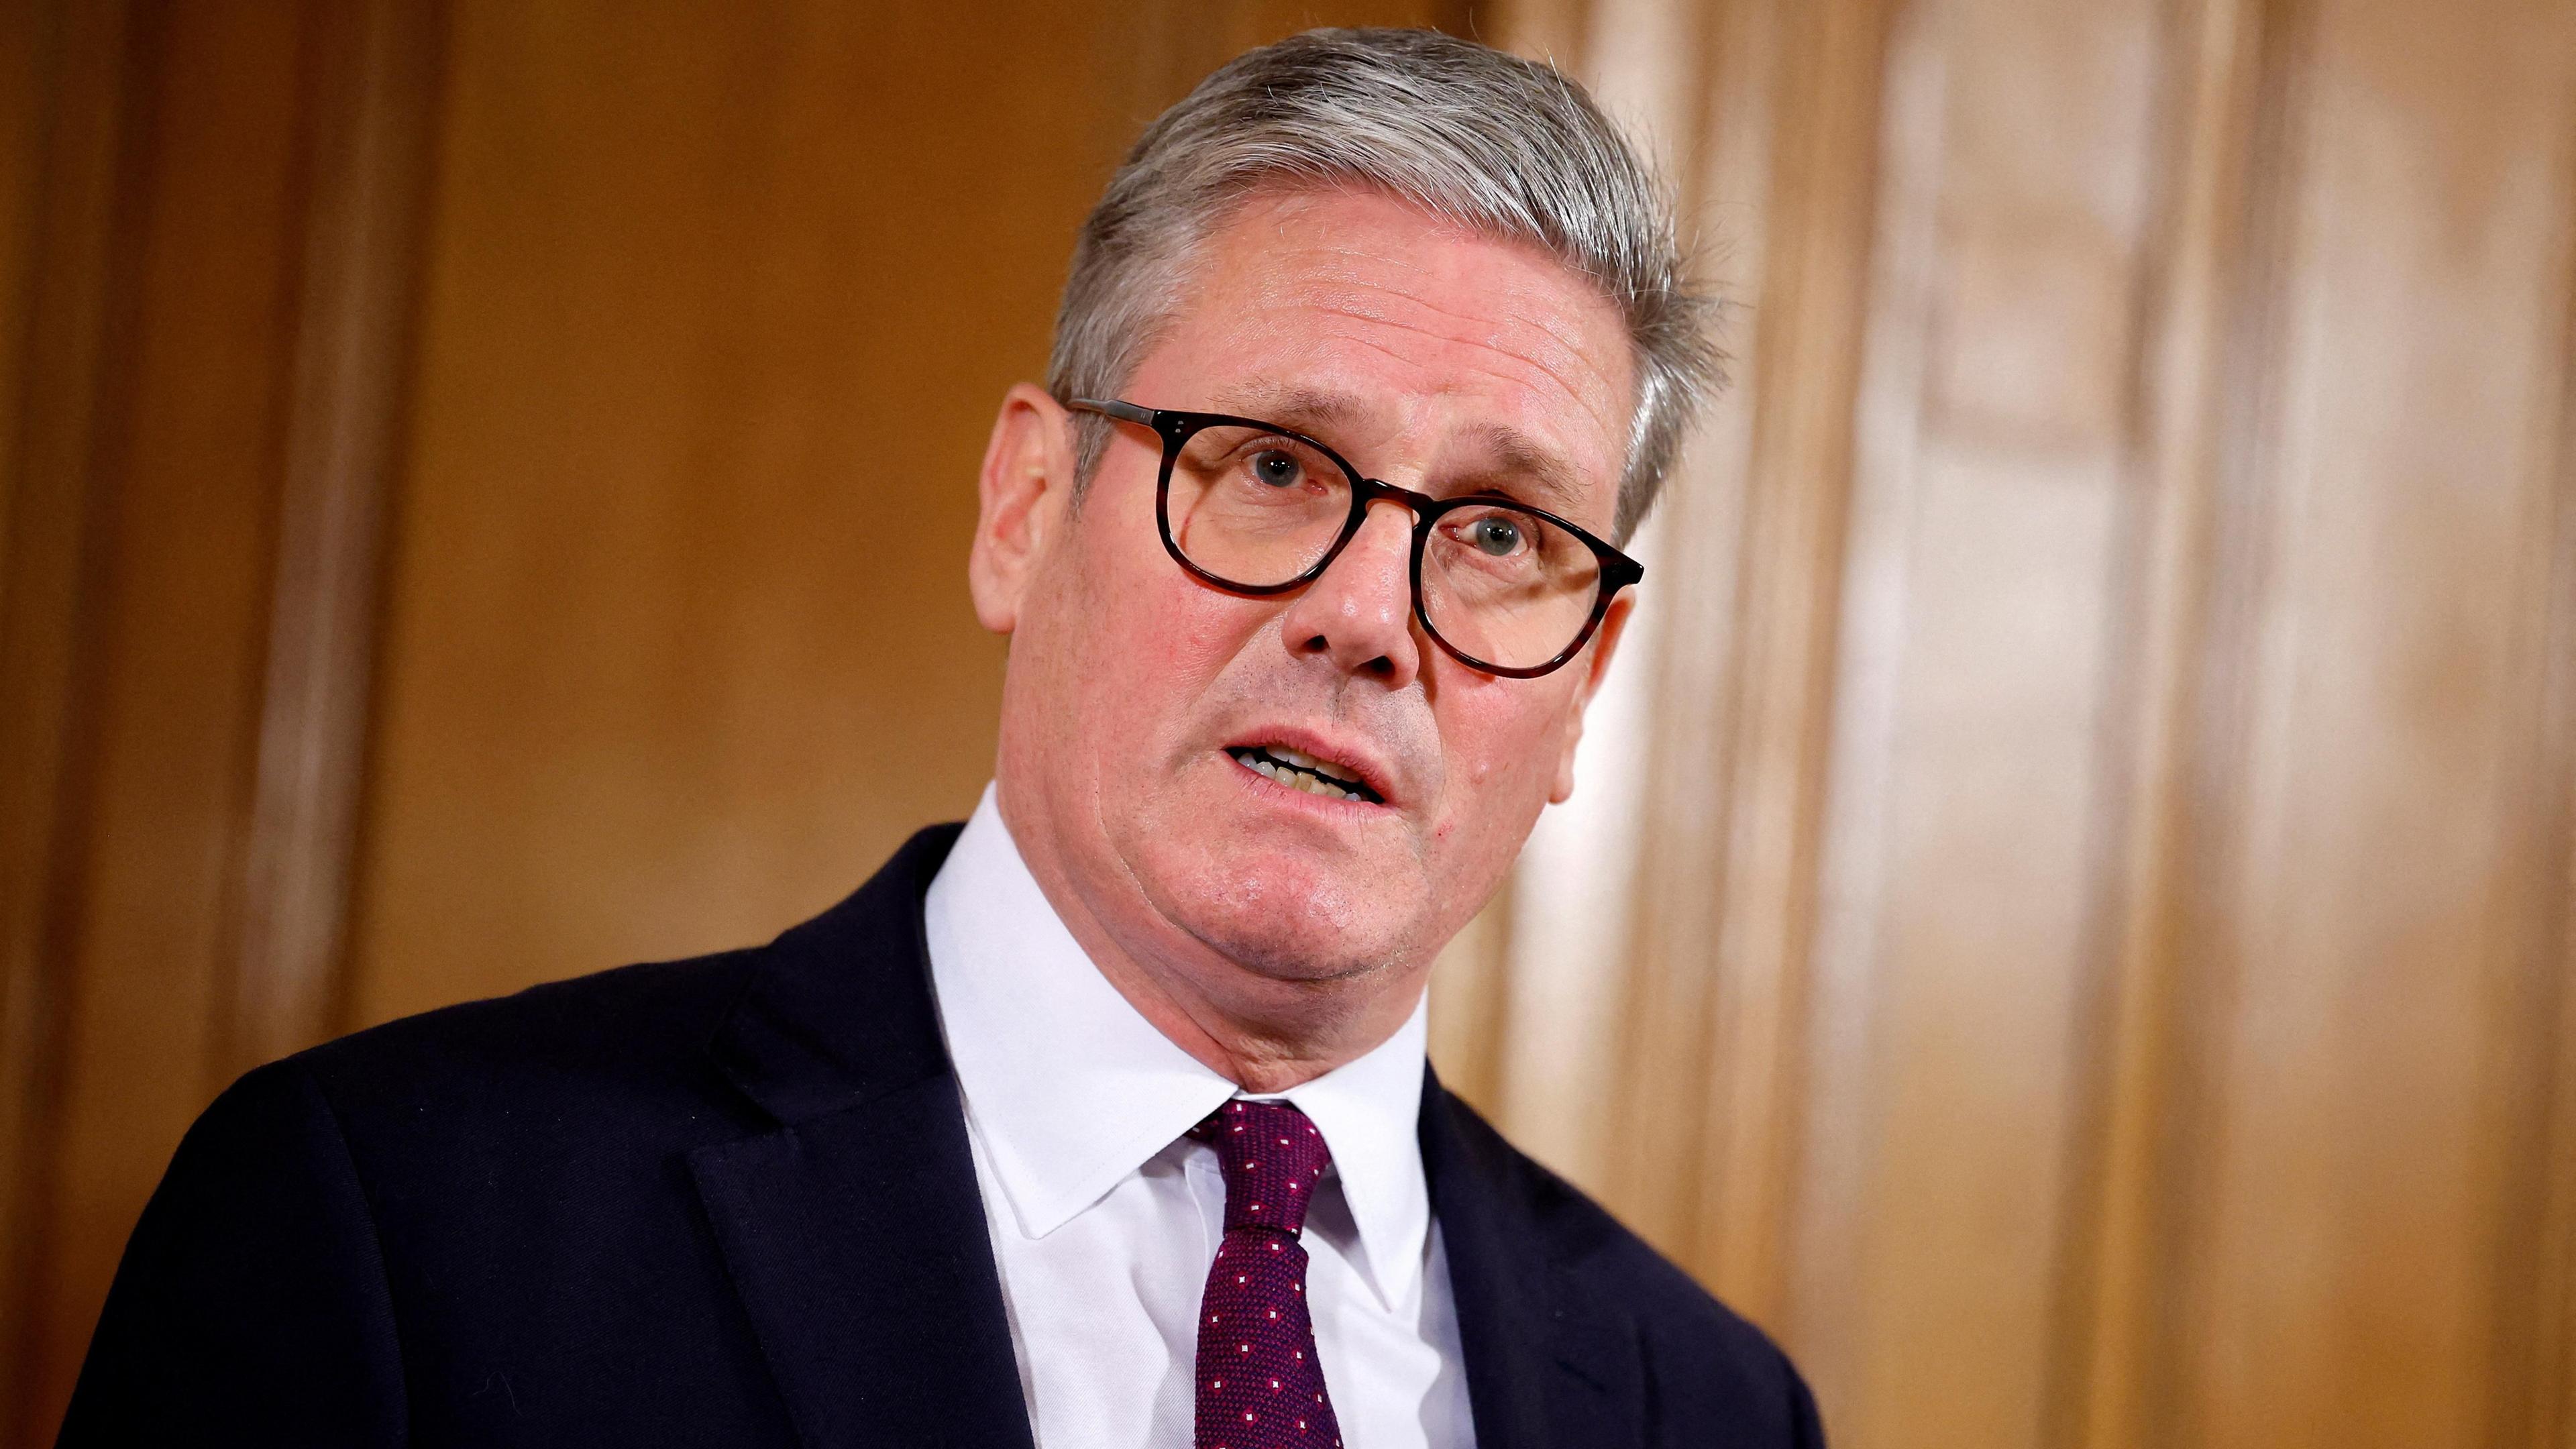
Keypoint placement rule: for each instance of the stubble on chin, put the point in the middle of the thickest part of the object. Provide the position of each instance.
(1277, 923)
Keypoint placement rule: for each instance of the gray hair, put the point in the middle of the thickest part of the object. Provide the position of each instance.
(1507, 147)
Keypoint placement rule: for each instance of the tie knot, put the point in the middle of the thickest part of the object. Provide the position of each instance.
(1271, 1156)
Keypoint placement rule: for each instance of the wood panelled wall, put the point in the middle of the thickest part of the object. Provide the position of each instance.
(211, 211)
(487, 487)
(2091, 860)
(2070, 913)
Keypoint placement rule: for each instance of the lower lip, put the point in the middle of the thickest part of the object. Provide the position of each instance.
(1290, 794)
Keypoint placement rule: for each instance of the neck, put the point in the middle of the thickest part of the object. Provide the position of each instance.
(1263, 1033)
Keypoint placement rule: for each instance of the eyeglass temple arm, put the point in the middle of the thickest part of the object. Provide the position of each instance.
(1124, 411)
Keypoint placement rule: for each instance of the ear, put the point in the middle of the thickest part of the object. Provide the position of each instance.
(1605, 642)
(1026, 490)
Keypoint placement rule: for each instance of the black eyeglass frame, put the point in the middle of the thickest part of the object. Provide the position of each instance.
(1176, 428)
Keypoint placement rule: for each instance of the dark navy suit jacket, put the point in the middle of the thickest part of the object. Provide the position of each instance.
(729, 1202)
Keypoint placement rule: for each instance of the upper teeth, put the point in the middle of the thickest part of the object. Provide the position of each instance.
(1305, 761)
(1304, 772)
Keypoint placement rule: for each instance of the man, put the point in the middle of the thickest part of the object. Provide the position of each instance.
(1105, 1120)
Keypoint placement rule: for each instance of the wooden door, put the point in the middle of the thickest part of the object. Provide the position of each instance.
(2084, 947)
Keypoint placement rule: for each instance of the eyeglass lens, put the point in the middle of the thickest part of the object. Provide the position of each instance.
(1258, 509)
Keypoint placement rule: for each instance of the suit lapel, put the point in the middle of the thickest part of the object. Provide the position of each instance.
(856, 1238)
(853, 1230)
(857, 1244)
(1547, 1362)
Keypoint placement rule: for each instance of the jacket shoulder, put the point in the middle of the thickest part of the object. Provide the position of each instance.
(631, 1025)
(647, 1034)
(1706, 1361)
(647, 1006)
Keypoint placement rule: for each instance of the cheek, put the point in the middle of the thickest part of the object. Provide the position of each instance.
(1502, 746)
(1149, 637)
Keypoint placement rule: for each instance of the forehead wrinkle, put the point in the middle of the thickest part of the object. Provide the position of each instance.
(1339, 265)
(1549, 322)
(1520, 453)
(1559, 363)
(1520, 364)
(1343, 270)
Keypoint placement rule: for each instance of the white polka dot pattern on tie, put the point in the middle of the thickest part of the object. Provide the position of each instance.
(1260, 1385)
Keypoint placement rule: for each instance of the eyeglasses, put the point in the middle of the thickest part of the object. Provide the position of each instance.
(1255, 508)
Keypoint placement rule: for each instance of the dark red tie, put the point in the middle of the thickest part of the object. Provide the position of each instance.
(1260, 1385)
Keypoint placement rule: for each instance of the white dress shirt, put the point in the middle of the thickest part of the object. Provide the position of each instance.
(1104, 1217)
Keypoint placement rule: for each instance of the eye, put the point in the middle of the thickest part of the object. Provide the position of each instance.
(1495, 534)
(1276, 468)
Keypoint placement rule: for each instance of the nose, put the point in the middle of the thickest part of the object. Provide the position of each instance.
(1359, 612)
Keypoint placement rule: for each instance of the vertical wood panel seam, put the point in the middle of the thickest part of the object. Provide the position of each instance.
(2535, 1326)
(1824, 181)
(369, 164)
(241, 833)
(1660, 1080)
(2205, 925)
(2126, 1292)
(2092, 1382)
(29, 992)
(130, 152)
(1842, 1146)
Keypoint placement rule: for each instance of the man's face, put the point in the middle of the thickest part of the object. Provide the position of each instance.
(1436, 360)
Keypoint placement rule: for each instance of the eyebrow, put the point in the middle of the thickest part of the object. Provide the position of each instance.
(1305, 410)
(1517, 455)
(1511, 457)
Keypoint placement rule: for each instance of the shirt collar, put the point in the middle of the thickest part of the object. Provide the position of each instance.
(1369, 1110)
(1071, 1089)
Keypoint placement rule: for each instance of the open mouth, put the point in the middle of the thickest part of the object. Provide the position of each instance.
(1301, 771)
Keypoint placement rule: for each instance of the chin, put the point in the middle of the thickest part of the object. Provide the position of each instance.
(1281, 917)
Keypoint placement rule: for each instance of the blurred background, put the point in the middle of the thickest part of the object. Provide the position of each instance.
(2069, 915)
